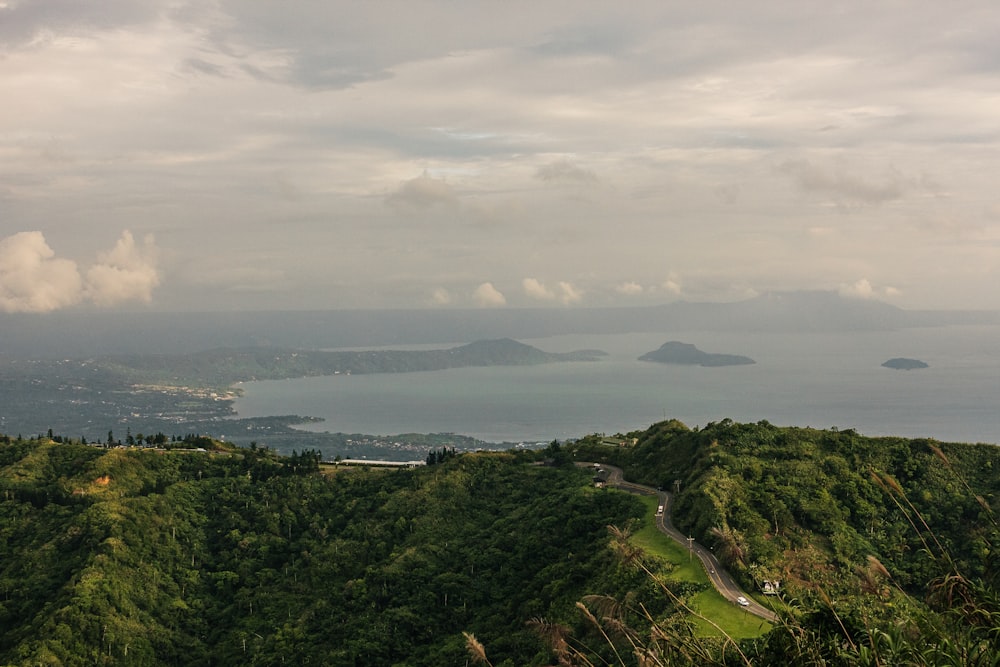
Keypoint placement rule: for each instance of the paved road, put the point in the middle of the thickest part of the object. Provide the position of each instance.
(719, 577)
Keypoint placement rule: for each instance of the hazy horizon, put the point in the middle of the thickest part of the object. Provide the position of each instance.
(184, 157)
(74, 333)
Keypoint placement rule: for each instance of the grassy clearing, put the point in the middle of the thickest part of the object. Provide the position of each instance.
(738, 623)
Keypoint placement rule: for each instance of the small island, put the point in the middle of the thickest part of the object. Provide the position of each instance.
(675, 352)
(904, 364)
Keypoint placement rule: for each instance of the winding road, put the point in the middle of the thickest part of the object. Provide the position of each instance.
(720, 578)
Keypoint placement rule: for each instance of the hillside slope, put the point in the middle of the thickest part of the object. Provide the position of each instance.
(242, 557)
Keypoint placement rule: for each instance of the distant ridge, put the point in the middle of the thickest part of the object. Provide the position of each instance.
(223, 366)
(789, 311)
(82, 334)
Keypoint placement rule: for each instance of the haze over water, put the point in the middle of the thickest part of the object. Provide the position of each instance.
(819, 380)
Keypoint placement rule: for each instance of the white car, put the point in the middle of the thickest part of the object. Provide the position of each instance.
(743, 602)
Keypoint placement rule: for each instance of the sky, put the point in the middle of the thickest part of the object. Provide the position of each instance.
(213, 155)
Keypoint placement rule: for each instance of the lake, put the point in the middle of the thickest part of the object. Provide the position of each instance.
(819, 380)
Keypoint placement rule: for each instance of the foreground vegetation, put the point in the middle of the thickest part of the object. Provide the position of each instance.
(884, 549)
(130, 556)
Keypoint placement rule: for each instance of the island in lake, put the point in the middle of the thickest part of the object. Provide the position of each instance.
(904, 364)
(675, 352)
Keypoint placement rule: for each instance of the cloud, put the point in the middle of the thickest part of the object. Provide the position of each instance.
(204, 67)
(27, 22)
(570, 294)
(440, 297)
(126, 273)
(672, 285)
(536, 290)
(34, 280)
(843, 187)
(242, 130)
(563, 170)
(423, 192)
(488, 296)
(862, 289)
(629, 288)
(567, 293)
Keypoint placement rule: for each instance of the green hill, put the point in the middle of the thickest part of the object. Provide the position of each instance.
(884, 549)
(781, 491)
(862, 533)
(130, 556)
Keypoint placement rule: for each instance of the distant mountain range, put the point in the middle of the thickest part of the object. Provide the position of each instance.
(81, 334)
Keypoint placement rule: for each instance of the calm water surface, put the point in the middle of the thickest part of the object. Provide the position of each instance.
(820, 380)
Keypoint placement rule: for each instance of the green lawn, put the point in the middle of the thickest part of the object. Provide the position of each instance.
(736, 622)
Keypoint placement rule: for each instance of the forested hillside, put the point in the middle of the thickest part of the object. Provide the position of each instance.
(766, 494)
(129, 556)
(884, 550)
(879, 544)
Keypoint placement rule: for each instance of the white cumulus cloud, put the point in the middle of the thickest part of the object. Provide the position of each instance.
(34, 280)
(488, 296)
(672, 285)
(126, 273)
(862, 289)
(629, 288)
(537, 290)
(565, 293)
(569, 293)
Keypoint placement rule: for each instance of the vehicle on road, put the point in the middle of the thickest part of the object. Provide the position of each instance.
(659, 511)
(743, 602)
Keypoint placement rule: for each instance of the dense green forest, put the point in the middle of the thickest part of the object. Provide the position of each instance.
(133, 556)
(884, 548)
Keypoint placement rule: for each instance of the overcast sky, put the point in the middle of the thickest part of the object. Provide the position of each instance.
(333, 154)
